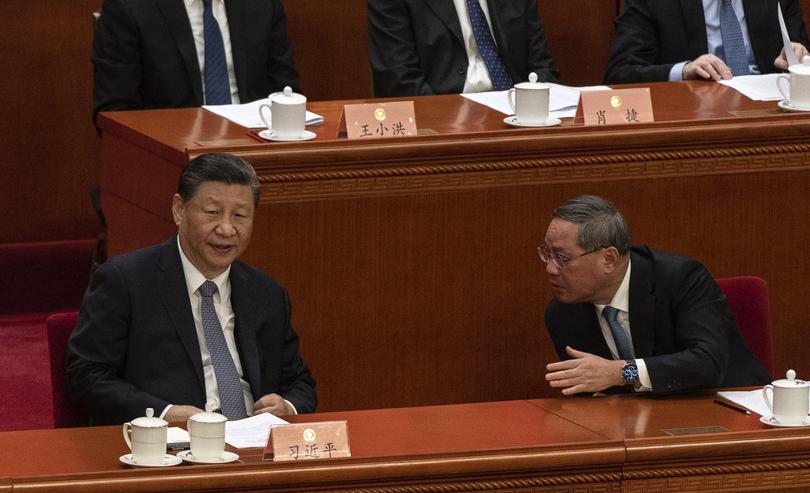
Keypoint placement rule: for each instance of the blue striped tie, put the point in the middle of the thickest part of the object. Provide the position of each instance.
(733, 49)
(611, 314)
(231, 398)
(217, 86)
(486, 47)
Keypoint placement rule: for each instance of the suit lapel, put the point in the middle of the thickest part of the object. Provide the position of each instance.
(494, 7)
(238, 25)
(177, 19)
(446, 11)
(174, 293)
(695, 26)
(246, 310)
(642, 306)
(757, 21)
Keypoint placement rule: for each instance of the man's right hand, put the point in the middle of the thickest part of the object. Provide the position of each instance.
(707, 67)
(180, 414)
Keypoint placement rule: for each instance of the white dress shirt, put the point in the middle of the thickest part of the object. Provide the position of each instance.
(711, 13)
(621, 301)
(194, 8)
(478, 79)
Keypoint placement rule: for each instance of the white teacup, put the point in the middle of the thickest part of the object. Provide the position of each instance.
(148, 442)
(207, 433)
(791, 399)
(529, 101)
(798, 95)
(288, 114)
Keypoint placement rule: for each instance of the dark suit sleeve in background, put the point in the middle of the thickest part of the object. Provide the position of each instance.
(280, 69)
(117, 70)
(636, 47)
(538, 57)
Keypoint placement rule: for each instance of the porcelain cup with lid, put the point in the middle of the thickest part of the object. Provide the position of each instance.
(529, 101)
(798, 94)
(148, 442)
(288, 114)
(207, 433)
(791, 399)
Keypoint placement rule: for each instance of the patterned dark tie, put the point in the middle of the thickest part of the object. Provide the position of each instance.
(217, 86)
(622, 346)
(231, 398)
(486, 47)
(733, 49)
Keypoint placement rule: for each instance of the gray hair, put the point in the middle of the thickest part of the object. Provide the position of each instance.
(223, 168)
(600, 224)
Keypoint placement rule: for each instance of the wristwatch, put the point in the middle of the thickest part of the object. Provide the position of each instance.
(630, 372)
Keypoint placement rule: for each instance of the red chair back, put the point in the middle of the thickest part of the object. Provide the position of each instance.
(748, 301)
(59, 327)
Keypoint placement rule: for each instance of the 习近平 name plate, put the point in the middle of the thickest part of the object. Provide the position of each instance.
(308, 441)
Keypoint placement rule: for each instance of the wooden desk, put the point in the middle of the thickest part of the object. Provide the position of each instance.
(607, 444)
(411, 263)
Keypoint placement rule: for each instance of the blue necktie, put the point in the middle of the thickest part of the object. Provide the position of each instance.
(217, 86)
(619, 337)
(486, 47)
(231, 398)
(733, 49)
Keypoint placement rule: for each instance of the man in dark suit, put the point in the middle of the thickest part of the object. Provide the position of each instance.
(660, 40)
(634, 318)
(423, 47)
(150, 53)
(184, 326)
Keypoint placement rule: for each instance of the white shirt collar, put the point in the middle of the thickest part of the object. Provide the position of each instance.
(195, 278)
(621, 299)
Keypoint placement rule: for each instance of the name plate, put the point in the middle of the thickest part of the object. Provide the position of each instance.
(378, 120)
(619, 107)
(308, 441)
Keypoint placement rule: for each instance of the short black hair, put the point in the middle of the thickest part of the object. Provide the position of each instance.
(224, 168)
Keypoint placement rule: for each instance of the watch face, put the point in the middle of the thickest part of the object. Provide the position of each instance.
(630, 373)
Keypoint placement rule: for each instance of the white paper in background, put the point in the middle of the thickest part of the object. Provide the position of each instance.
(756, 87)
(563, 100)
(789, 53)
(247, 114)
(751, 399)
(251, 432)
(176, 435)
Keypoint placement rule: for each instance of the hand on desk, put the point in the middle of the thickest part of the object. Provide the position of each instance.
(781, 60)
(585, 372)
(273, 404)
(706, 67)
(178, 414)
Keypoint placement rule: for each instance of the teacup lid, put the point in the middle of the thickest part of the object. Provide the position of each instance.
(802, 68)
(208, 418)
(790, 381)
(532, 84)
(287, 96)
(150, 421)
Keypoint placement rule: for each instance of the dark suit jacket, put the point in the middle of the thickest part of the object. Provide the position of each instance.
(135, 344)
(680, 323)
(416, 48)
(144, 54)
(653, 35)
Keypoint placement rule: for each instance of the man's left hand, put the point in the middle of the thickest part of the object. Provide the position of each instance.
(273, 404)
(781, 60)
(585, 372)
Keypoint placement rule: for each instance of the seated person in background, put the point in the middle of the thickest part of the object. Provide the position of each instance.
(185, 53)
(423, 47)
(672, 40)
(634, 317)
(184, 326)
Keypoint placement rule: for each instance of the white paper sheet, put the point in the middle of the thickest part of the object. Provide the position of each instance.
(247, 114)
(751, 399)
(251, 432)
(789, 53)
(176, 435)
(756, 87)
(563, 100)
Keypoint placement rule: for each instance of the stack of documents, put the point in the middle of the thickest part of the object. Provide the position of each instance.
(247, 114)
(756, 87)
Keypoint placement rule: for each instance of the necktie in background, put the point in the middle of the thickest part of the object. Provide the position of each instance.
(217, 86)
(486, 47)
(733, 44)
(622, 345)
(231, 399)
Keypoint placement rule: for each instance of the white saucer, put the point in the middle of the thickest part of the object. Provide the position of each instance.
(512, 120)
(168, 460)
(785, 105)
(768, 420)
(268, 135)
(226, 457)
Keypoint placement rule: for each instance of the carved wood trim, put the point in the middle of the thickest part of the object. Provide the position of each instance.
(719, 469)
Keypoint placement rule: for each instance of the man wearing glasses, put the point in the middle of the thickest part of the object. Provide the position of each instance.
(633, 318)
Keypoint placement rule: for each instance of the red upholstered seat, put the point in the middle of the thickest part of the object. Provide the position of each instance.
(59, 327)
(748, 300)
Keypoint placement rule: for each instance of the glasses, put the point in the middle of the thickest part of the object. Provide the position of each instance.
(559, 261)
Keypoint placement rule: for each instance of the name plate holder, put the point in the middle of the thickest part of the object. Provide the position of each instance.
(618, 107)
(308, 441)
(378, 120)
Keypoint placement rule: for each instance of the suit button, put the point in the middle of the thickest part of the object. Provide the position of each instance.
(462, 71)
